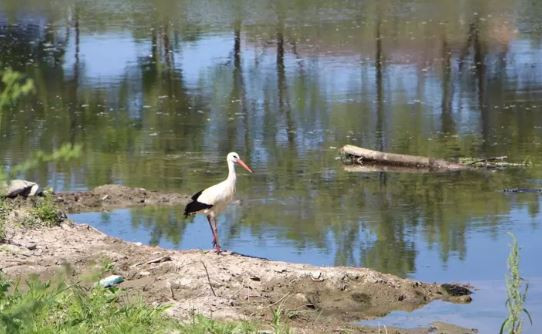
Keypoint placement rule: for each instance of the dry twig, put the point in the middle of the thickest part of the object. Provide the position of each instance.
(208, 278)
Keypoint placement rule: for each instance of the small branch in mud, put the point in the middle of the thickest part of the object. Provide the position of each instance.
(208, 278)
(404, 162)
(160, 259)
(171, 290)
(157, 260)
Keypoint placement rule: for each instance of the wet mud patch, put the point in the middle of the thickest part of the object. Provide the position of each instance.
(352, 294)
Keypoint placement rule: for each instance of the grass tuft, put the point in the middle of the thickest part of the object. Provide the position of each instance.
(513, 324)
(278, 323)
(204, 325)
(47, 212)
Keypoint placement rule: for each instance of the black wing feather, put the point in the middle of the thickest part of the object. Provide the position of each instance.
(195, 206)
(196, 195)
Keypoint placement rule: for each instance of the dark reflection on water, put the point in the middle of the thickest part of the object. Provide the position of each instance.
(159, 91)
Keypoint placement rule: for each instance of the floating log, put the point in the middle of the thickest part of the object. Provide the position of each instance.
(362, 155)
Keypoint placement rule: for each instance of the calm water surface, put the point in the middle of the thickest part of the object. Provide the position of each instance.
(159, 91)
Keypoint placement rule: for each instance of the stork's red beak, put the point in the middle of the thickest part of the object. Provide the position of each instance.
(242, 163)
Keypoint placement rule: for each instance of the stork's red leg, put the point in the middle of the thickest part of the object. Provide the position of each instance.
(209, 219)
(215, 232)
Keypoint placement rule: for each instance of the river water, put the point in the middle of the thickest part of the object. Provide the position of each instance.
(158, 92)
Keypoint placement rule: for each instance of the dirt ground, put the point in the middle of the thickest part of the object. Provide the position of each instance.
(223, 286)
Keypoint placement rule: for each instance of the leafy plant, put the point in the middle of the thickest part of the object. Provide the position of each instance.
(13, 87)
(63, 153)
(516, 298)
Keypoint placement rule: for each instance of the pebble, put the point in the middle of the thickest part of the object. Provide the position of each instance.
(317, 276)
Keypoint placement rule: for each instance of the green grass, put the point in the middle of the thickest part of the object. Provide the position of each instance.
(58, 308)
(513, 324)
(281, 316)
(279, 325)
(203, 325)
(45, 307)
(46, 213)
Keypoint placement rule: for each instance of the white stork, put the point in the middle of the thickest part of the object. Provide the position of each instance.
(213, 200)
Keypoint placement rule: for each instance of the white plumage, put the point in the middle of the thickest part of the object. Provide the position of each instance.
(215, 199)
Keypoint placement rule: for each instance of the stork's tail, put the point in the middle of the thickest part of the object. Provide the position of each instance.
(194, 207)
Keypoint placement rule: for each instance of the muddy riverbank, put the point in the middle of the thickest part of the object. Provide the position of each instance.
(224, 286)
(111, 196)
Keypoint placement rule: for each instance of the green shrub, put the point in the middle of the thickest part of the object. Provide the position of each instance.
(46, 212)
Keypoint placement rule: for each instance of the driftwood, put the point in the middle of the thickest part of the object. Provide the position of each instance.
(362, 155)
(375, 161)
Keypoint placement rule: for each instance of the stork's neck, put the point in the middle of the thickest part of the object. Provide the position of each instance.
(231, 172)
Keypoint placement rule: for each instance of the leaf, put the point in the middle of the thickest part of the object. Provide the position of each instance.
(528, 315)
(502, 326)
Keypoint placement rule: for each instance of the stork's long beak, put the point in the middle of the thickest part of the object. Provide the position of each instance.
(244, 165)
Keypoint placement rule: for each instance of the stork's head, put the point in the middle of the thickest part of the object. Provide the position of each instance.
(234, 158)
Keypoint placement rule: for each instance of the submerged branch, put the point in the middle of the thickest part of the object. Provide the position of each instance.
(496, 162)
